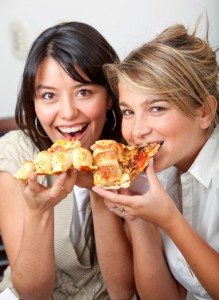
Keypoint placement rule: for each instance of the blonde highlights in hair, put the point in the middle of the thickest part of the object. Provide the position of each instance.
(176, 64)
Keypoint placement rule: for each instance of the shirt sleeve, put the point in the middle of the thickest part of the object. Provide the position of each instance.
(15, 148)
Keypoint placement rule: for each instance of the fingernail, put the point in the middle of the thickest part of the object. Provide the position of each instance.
(62, 176)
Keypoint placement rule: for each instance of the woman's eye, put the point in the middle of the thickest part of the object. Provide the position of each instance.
(157, 109)
(48, 96)
(83, 93)
(126, 112)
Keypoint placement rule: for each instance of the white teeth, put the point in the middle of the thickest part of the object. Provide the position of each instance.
(71, 129)
(158, 142)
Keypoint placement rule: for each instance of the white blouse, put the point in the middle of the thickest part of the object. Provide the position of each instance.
(196, 193)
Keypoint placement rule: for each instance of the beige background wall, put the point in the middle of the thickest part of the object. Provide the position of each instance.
(125, 23)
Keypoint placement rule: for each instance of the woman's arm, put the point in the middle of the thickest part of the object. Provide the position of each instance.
(152, 275)
(27, 228)
(113, 250)
(201, 257)
(158, 208)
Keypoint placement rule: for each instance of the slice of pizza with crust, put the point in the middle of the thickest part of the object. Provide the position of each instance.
(118, 164)
(108, 156)
(60, 157)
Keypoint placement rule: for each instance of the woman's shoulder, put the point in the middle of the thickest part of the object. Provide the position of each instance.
(15, 148)
(17, 140)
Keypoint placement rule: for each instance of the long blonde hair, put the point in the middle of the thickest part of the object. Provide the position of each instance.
(179, 65)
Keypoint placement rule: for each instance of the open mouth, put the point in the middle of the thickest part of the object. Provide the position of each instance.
(160, 143)
(151, 143)
(72, 132)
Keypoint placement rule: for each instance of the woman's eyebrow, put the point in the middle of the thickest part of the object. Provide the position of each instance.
(122, 103)
(79, 85)
(152, 101)
(147, 102)
(42, 86)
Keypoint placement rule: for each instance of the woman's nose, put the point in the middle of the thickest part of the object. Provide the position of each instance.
(141, 128)
(68, 110)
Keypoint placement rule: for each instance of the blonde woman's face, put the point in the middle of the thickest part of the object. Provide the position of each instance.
(67, 108)
(151, 118)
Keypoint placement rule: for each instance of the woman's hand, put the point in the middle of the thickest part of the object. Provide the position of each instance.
(155, 206)
(119, 210)
(39, 197)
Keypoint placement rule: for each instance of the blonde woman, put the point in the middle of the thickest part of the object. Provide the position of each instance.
(168, 93)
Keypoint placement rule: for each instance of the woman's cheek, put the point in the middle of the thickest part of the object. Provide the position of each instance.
(126, 132)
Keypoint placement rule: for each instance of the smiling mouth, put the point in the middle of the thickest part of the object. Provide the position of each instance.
(72, 132)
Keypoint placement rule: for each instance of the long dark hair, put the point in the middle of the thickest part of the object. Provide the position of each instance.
(70, 44)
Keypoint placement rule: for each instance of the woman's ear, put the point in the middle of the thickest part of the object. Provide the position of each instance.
(208, 111)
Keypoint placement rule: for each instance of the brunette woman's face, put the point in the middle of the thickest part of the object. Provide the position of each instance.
(151, 118)
(67, 108)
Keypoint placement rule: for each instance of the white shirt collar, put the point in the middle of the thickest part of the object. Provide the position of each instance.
(207, 160)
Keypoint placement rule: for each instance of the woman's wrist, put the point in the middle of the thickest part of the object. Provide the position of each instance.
(38, 215)
(140, 224)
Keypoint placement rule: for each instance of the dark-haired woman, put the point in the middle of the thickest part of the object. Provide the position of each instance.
(46, 223)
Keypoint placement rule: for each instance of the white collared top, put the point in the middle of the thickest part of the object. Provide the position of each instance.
(196, 194)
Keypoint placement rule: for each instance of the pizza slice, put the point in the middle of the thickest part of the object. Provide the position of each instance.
(118, 164)
(108, 155)
(61, 156)
(136, 158)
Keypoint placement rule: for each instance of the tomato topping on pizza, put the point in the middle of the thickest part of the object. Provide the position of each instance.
(118, 164)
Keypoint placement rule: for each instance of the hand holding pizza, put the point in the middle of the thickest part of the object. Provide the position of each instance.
(155, 206)
(41, 198)
(117, 209)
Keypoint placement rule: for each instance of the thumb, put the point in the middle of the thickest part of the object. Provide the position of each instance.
(23, 184)
(151, 175)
